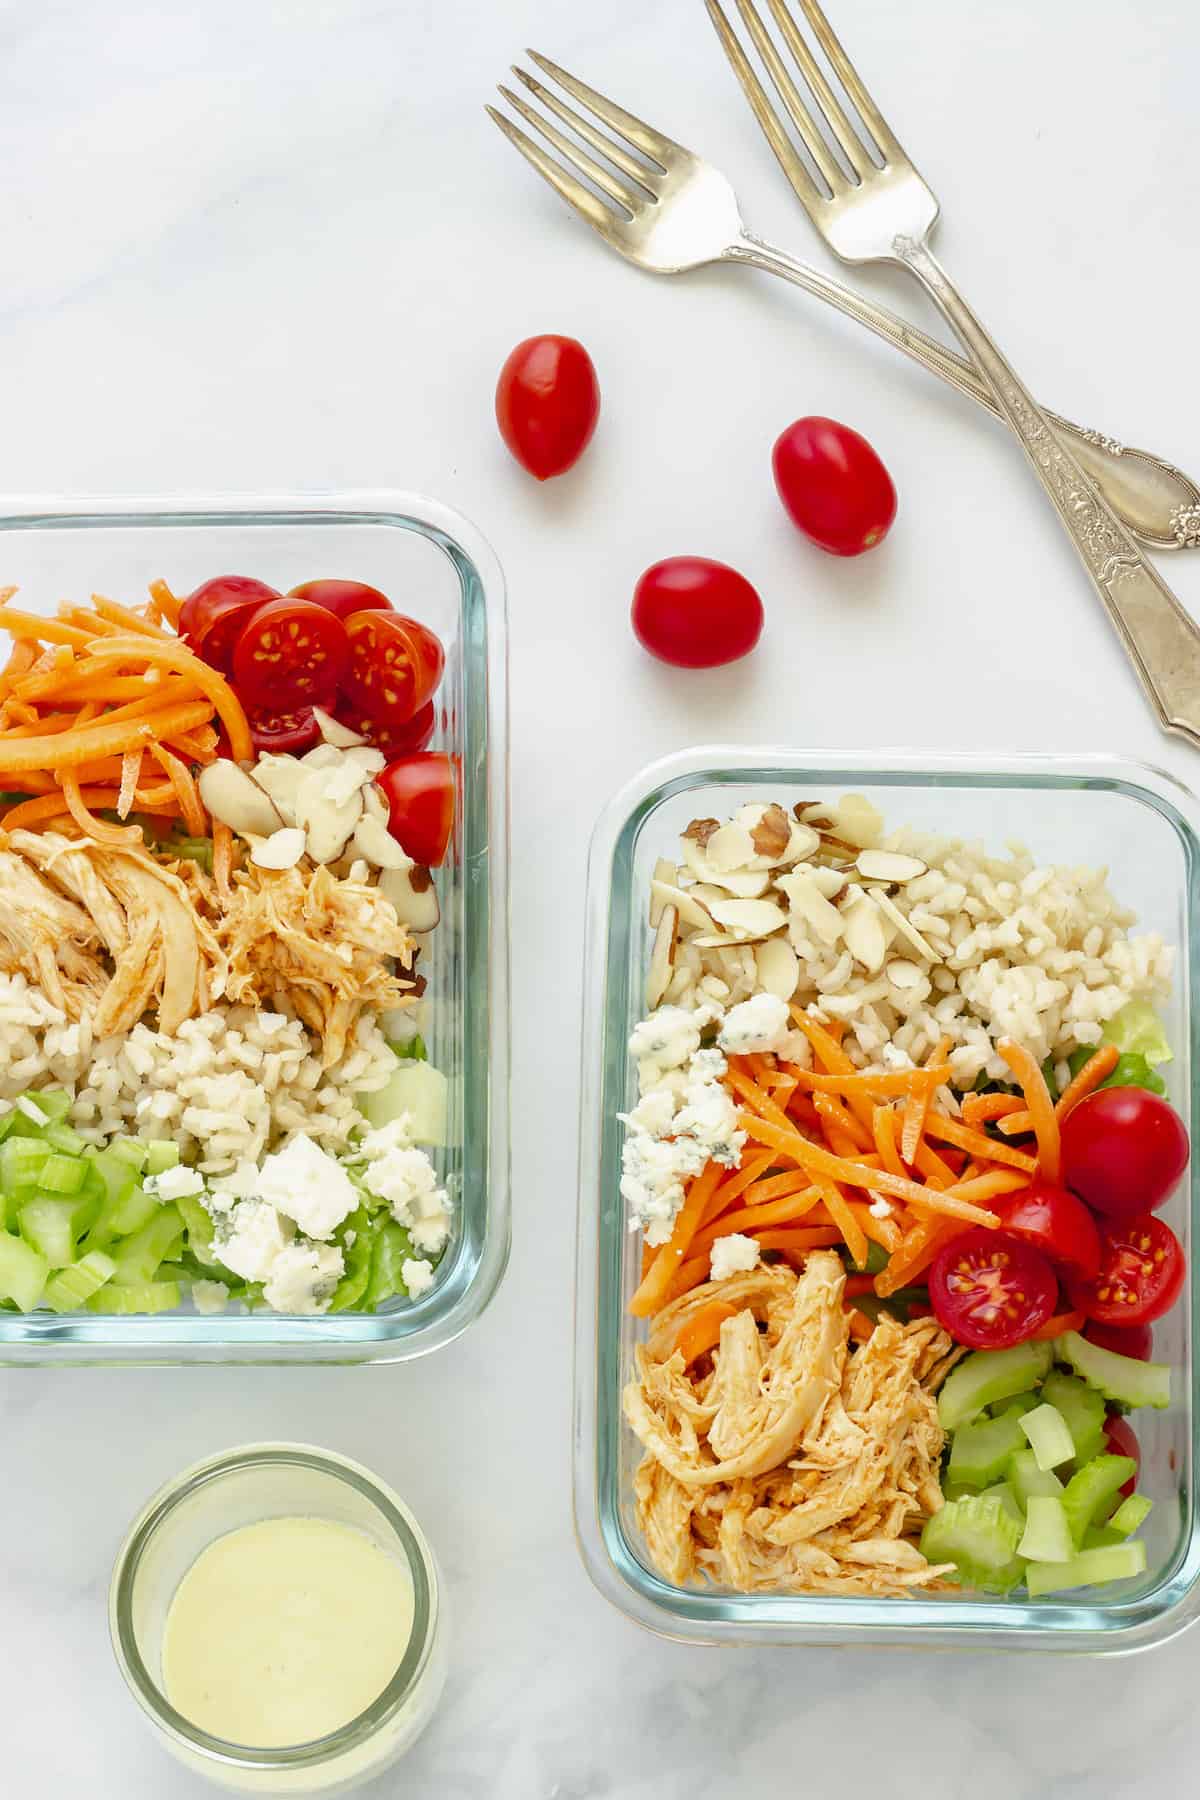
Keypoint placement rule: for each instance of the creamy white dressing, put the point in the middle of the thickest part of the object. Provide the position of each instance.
(284, 1631)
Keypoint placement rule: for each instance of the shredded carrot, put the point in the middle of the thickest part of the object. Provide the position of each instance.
(860, 1326)
(1095, 1071)
(167, 653)
(649, 1295)
(799, 1238)
(197, 746)
(131, 768)
(88, 823)
(853, 1235)
(945, 1130)
(191, 806)
(703, 1330)
(1037, 1095)
(166, 602)
(885, 1140)
(933, 1167)
(692, 1272)
(884, 1232)
(43, 631)
(916, 1109)
(736, 1182)
(1016, 1124)
(21, 658)
(160, 801)
(982, 1109)
(131, 621)
(753, 1220)
(916, 1253)
(104, 738)
(87, 620)
(222, 841)
(777, 1187)
(845, 1133)
(1058, 1325)
(900, 1082)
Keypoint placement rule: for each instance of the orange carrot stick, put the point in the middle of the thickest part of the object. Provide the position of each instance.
(945, 1130)
(104, 738)
(88, 823)
(130, 621)
(222, 838)
(166, 602)
(1033, 1085)
(166, 653)
(191, 807)
(885, 1140)
(982, 1109)
(44, 631)
(131, 768)
(703, 1330)
(896, 1082)
(692, 1272)
(836, 1120)
(1095, 1071)
(916, 1110)
(42, 807)
(648, 1297)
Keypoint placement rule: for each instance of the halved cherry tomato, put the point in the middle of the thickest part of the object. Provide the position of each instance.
(284, 734)
(393, 740)
(1126, 1340)
(547, 404)
(419, 790)
(342, 597)
(1123, 1151)
(1059, 1225)
(1122, 1442)
(1141, 1272)
(833, 486)
(990, 1289)
(695, 613)
(395, 664)
(211, 617)
(290, 654)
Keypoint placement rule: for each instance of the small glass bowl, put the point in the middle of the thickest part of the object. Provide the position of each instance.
(1090, 811)
(239, 1488)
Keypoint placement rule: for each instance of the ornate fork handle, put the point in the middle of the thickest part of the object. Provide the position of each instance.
(1154, 498)
(1163, 642)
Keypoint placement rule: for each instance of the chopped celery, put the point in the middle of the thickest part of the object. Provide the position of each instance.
(988, 1376)
(1028, 1480)
(1006, 1494)
(23, 1272)
(191, 849)
(1049, 1436)
(63, 1139)
(1083, 1409)
(199, 1226)
(161, 1155)
(1120, 1378)
(21, 1159)
(1131, 1515)
(392, 1246)
(1091, 1568)
(1047, 1536)
(72, 1288)
(115, 1172)
(128, 1150)
(1017, 1406)
(136, 1297)
(979, 1452)
(1097, 1536)
(1092, 1490)
(48, 1223)
(979, 1536)
(137, 1257)
(52, 1103)
(1138, 1030)
(358, 1258)
(62, 1174)
(130, 1214)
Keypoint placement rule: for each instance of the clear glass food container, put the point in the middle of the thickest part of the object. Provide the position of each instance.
(436, 565)
(224, 1494)
(1094, 811)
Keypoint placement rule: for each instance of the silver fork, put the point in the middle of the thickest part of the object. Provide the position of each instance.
(867, 200)
(667, 210)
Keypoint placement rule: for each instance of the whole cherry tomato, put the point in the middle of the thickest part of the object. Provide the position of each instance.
(1060, 1225)
(1123, 1151)
(212, 617)
(284, 733)
(290, 654)
(695, 613)
(1142, 1268)
(833, 486)
(419, 790)
(547, 404)
(342, 597)
(395, 664)
(990, 1289)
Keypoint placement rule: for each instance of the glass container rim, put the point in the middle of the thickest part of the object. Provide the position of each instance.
(689, 1615)
(408, 1538)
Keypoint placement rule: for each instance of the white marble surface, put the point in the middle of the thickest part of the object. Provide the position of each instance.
(274, 245)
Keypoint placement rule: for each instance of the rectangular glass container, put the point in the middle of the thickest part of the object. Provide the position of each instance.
(1141, 825)
(432, 563)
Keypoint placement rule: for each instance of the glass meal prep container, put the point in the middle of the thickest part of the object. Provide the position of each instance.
(1139, 823)
(433, 563)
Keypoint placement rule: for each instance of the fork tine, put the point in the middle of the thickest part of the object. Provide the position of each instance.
(848, 136)
(585, 165)
(848, 75)
(761, 106)
(573, 192)
(620, 159)
(644, 137)
(788, 92)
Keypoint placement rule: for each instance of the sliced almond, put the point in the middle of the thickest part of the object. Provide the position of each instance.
(374, 804)
(322, 756)
(864, 933)
(778, 967)
(772, 833)
(905, 975)
(856, 820)
(700, 830)
(830, 882)
(367, 757)
(236, 799)
(662, 957)
(327, 823)
(667, 873)
(889, 865)
(279, 777)
(414, 896)
(730, 847)
(373, 840)
(690, 911)
(743, 884)
(282, 850)
(334, 732)
(749, 918)
(892, 912)
(807, 900)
